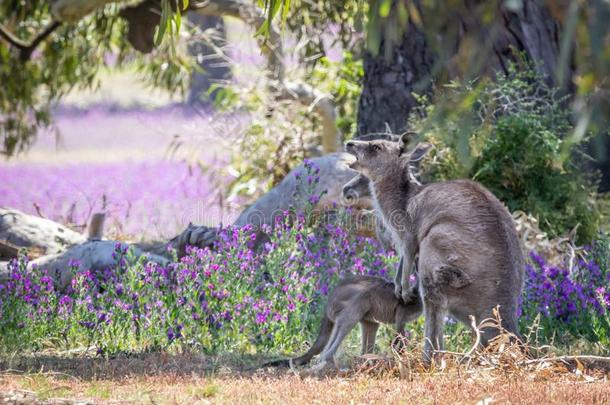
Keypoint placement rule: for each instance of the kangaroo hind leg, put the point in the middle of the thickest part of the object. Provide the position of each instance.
(343, 325)
(369, 333)
(326, 329)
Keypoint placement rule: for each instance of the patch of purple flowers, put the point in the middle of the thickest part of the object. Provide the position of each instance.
(563, 299)
(234, 298)
(231, 297)
(237, 298)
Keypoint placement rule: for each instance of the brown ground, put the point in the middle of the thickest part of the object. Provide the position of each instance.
(186, 379)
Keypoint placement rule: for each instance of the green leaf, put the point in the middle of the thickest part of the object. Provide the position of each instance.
(384, 8)
(373, 37)
(163, 22)
(285, 10)
(276, 6)
(272, 9)
(178, 20)
(263, 29)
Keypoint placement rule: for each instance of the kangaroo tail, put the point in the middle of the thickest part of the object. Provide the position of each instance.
(326, 327)
(278, 363)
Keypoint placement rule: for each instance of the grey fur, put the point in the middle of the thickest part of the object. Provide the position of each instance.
(470, 259)
(357, 299)
(356, 191)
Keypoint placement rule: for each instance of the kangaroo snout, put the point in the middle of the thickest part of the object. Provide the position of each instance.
(349, 195)
(356, 191)
(346, 190)
(350, 147)
(353, 147)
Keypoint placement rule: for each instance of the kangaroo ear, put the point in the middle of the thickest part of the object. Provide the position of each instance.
(420, 151)
(404, 139)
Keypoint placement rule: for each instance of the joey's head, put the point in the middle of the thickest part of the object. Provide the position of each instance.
(357, 192)
(380, 158)
(410, 311)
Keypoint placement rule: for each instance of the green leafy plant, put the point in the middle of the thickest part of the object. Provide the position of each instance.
(509, 135)
(521, 164)
(282, 132)
(71, 57)
(342, 80)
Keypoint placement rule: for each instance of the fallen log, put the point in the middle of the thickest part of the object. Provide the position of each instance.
(91, 255)
(8, 250)
(27, 231)
(64, 246)
(335, 170)
(290, 193)
(71, 251)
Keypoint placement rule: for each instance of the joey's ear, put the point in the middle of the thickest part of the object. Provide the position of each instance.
(404, 139)
(420, 152)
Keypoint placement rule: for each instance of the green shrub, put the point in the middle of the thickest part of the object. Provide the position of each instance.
(342, 80)
(508, 135)
(520, 164)
(281, 132)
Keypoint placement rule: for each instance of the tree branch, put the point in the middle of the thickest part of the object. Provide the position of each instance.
(144, 17)
(320, 103)
(26, 49)
(271, 46)
(16, 42)
(72, 11)
(253, 16)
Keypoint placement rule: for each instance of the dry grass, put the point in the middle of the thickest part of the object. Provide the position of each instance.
(500, 373)
(187, 379)
(426, 388)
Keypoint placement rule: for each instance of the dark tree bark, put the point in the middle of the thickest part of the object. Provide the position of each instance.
(387, 87)
(142, 20)
(533, 30)
(387, 99)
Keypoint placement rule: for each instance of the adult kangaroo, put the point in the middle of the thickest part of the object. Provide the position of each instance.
(470, 259)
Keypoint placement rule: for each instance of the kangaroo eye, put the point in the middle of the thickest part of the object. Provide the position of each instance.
(376, 147)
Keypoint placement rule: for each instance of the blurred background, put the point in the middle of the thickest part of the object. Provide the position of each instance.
(164, 112)
(136, 151)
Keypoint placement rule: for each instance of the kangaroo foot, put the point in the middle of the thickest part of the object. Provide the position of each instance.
(319, 370)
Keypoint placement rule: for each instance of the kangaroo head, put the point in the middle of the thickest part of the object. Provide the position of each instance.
(408, 312)
(380, 158)
(357, 191)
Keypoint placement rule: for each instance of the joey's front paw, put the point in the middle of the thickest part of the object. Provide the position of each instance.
(406, 296)
(398, 291)
(409, 295)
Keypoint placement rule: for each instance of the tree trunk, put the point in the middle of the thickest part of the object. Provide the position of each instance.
(388, 85)
(214, 69)
(533, 30)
